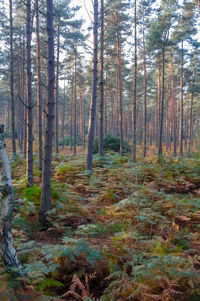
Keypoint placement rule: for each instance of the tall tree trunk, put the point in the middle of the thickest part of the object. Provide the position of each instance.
(45, 203)
(135, 87)
(57, 89)
(181, 105)
(191, 124)
(82, 117)
(29, 97)
(105, 106)
(71, 113)
(119, 75)
(75, 100)
(91, 125)
(12, 82)
(145, 95)
(101, 109)
(39, 92)
(174, 110)
(157, 112)
(63, 118)
(162, 106)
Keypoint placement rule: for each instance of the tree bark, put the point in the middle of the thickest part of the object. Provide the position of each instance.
(39, 92)
(9, 254)
(181, 105)
(135, 87)
(119, 83)
(145, 95)
(45, 203)
(191, 124)
(74, 102)
(101, 109)
(162, 106)
(12, 82)
(91, 125)
(57, 90)
(29, 97)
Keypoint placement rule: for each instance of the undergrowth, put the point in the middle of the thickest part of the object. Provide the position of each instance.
(128, 231)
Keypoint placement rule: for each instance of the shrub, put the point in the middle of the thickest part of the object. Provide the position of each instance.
(67, 141)
(111, 143)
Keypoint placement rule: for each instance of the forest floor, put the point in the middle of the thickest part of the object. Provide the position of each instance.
(124, 232)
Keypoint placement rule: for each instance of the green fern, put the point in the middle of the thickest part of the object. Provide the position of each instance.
(48, 282)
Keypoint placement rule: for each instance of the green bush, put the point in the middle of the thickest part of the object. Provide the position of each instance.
(111, 143)
(67, 141)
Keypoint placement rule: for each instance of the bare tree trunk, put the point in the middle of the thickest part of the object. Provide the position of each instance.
(56, 91)
(157, 112)
(39, 94)
(191, 124)
(162, 106)
(181, 105)
(12, 82)
(29, 97)
(101, 110)
(6, 207)
(119, 75)
(71, 117)
(91, 125)
(45, 202)
(75, 100)
(82, 117)
(105, 107)
(63, 118)
(145, 95)
(174, 109)
(135, 87)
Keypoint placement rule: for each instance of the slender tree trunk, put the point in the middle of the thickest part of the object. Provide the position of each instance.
(12, 82)
(57, 90)
(75, 102)
(82, 117)
(174, 109)
(191, 124)
(181, 105)
(29, 97)
(145, 96)
(101, 109)
(119, 75)
(39, 92)
(162, 106)
(135, 87)
(71, 113)
(91, 125)
(157, 113)
(45, 203)
(63, 118)
(105, 107)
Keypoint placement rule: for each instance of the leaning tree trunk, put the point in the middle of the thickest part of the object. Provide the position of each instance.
(6, 207)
